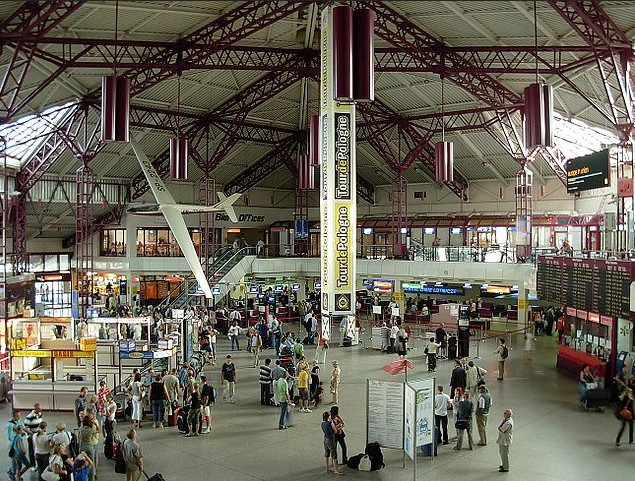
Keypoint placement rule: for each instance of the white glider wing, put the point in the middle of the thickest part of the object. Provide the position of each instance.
(173, 217)
(177, 224)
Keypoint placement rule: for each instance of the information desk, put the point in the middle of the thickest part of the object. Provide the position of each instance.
(571, 361)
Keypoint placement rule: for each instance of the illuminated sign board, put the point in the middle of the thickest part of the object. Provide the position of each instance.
(423, 288)
(295, 287)
(588, 172)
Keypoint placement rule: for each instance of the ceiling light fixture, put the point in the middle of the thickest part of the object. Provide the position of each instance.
(444, 151)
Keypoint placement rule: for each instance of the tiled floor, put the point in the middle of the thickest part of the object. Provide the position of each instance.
(553, 438)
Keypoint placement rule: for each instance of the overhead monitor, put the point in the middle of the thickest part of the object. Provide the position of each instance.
(588, 172)
(295, 287)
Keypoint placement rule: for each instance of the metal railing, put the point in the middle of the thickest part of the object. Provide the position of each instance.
(221, 265)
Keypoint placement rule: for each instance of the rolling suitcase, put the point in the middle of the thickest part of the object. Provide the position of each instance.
(172, 416)
(154, 477)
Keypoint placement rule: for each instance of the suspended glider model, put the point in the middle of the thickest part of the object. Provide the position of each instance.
(173, 214)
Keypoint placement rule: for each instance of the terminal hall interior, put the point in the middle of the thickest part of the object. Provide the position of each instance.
(184, 179)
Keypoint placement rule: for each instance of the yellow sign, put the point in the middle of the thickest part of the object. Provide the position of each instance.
(523, 303)
(49, 353)
(400, 296)
(31, 353)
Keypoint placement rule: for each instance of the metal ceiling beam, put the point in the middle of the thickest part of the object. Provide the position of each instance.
(233, 110)
(34, 19)
(235, 25)
(392, 27)
(52, 148)
(591, 23)
(598, 30)
(282, 155)
(99, 53)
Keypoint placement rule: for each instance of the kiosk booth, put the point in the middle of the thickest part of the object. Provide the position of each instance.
(52, 373)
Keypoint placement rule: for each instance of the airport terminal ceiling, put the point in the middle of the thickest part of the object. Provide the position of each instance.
(240, 79)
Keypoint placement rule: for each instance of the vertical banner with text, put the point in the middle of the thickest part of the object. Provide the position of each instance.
(338, 204)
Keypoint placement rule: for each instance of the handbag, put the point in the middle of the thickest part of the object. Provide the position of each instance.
(364, 463)
(48, 475)
(340, 435)
(461, 425)
(591, 385)
(626, 414)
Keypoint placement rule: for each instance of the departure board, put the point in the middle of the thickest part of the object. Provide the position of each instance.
(568, 283)
(592, 285)
(618, 288)
(549, 279)
(598, 304)
(582, 277)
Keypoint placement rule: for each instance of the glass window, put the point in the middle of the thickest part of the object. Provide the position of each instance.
(113, 242)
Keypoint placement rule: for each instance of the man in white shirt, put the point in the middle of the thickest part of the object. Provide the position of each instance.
(504, 441)
(431, 351)
(394, 332)
(441, 401)
(234, 315)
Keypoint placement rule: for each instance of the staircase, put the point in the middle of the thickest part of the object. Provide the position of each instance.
(225, 260)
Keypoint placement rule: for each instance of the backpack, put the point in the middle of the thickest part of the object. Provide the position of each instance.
(376, 456)
(505, 352)
(73, 445)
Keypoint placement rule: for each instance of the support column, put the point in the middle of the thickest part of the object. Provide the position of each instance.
(19, 213)
(338, 202)
(4, 204)
(524, 212)
(399, 220)
(301, 223)
(84, 218)
(625, 201)
(207, 196)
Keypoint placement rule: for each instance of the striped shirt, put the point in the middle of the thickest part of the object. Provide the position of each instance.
(265, 374)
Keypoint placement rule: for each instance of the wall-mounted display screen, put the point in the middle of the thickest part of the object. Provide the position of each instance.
(588, 172)
(383, 286)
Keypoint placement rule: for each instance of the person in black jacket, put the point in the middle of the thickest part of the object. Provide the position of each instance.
(459, 377)
(464, 422)
(625, 402)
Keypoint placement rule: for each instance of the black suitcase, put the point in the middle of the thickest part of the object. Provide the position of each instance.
(347, 342)
(154, 477)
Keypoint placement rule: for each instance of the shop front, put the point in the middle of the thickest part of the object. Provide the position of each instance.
(47, 365)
